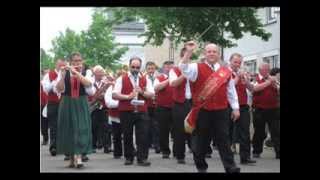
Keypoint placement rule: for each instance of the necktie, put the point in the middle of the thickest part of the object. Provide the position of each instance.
(212, 67)
(152, 79)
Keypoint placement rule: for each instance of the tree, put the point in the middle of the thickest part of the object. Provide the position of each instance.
(66, 43)
(99, 43)
(46, 61)
(184, 24)
(96, 44)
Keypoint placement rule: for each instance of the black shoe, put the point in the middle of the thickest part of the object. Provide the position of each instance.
(256, 155)
(71, 166)
(85, 158)
(128, 162)
(157, 150)
(165, 156)
(208, 155)
(268, 143)
(247, 161)
(277, 156)
(233, 169)
(79, 166)
(106, 150)
(116, 157)
(144, 163)
(181, 161)
(66, 158)
(99, 146)
(53, 152)
(202, 170)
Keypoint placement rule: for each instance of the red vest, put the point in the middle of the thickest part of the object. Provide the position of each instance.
(242, 92)
(52, 97)
(43, 96)
(219, 99)
(266, 98)
(127, 88)
(164, 97)
(114, 112)
(151, 102)
(179, 92)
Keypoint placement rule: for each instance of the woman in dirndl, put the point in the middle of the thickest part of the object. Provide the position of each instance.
(74, 122)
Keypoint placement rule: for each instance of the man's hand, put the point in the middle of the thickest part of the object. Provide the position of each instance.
(74, 70)
(190, 46)
(132, 95)
(272, 79)
(138, 89)
(235, 115)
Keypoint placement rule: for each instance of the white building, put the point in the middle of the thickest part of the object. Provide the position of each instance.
(254, 49)
(127, 35)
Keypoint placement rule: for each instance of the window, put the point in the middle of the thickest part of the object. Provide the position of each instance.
(272, 14)
(272, 60)
(251, 66)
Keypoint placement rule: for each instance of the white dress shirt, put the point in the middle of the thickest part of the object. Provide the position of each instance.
(173, 76)
(191, 71)
(118, 84)
(111, 103)
(47, 84)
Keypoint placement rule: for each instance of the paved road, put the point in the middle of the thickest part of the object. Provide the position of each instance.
(100, 162)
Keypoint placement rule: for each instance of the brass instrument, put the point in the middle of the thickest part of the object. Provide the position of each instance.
(95, 103)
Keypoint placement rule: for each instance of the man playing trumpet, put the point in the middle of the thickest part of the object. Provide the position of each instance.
(98, 110)
(266, 110)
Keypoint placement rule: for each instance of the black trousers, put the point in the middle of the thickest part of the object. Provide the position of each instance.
(216, 122)
(153, 129)
(138, 120)
(164, 117)
(106, 133)
(117, 139)
(180, 111)
(52, 113)
(260, 118)
(98, 117)
(242, 127)
(233, 130)
(44, 126)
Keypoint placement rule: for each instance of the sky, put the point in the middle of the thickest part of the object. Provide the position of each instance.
(55, 19)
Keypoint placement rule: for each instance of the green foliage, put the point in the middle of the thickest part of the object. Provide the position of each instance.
(96, 44)
(46, 61)
(188, 23)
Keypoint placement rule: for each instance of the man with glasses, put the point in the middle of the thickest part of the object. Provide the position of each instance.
(132, 90)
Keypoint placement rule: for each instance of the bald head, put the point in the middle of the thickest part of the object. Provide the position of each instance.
(212, 53)
(264, 69)
(98, 72)
(212, 45)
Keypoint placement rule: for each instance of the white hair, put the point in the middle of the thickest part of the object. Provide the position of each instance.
(98, 68)
(264, 64)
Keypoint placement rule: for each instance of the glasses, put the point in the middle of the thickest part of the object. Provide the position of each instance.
(135, 67)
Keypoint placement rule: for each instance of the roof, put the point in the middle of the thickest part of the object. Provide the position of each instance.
(130, 26)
